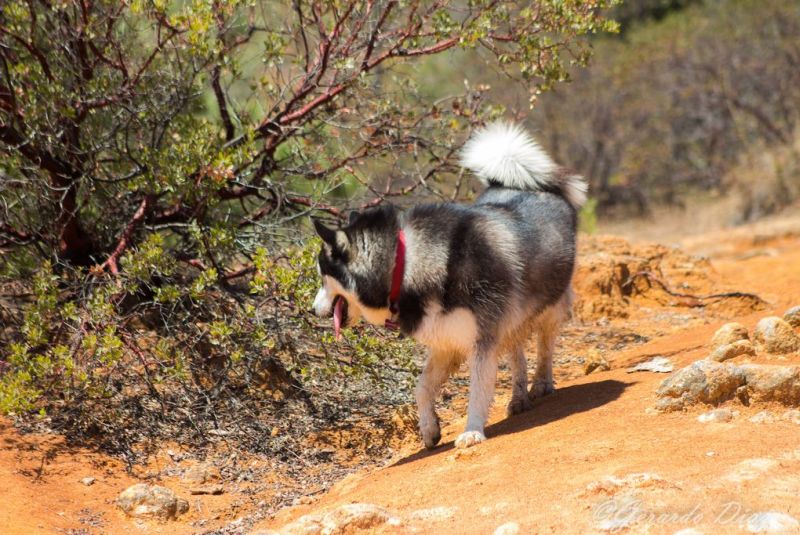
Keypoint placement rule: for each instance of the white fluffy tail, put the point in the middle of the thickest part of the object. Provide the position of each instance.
(503, 154)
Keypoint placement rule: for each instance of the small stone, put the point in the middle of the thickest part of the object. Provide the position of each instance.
(656, 364)
(303, 500)
(213, 490)
(775, 335)
(595, 362)
(717, 415)
(201, 473)
(792, 415)
(792, 316)
(509, 528)
(772, 522)
(689, 531)
(732, 350)
(88, 481)
(728, 334)
(151, 501)
(763, 417)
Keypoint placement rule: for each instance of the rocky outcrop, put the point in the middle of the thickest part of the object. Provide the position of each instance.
(711, 383)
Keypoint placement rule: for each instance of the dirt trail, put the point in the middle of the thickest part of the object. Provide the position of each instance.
(544, 471)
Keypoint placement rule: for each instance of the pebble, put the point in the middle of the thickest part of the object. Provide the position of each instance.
(88, 481)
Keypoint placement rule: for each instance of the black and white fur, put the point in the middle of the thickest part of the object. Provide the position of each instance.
(478, 279)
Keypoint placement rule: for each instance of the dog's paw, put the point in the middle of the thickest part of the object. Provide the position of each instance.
(541, 389)
(519, 404)
(469, 438)
(431, 433)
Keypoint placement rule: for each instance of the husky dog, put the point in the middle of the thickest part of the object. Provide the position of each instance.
(469, 282)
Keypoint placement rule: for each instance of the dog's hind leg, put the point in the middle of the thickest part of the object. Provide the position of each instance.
(549, 325)
(519, 382)
(483, 375)
(437, 369)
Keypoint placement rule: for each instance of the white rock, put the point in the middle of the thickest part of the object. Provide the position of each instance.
(88, 481)
(509, 528)
(689, 531)
(717, 415)
(656, 364)
(792, 415)
(151, 501)
(763, 417)
(772, 522)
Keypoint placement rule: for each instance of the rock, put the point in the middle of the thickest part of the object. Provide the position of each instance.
(774, 335)
(201, 473)
(151, 501)
(792, 316)
(728, 334)
(611, 485)
(772, 522)
(792, 416)
(717, 415)
(214, 490)
(434, 513)
(732, 350)
(88, 481)
(689, 531)
(509, 528)
(349, 518)
(703, 381)
(763, 417)
(656, 364)
(773, 383)
(712, 383)
(595, 362)
(751, 469)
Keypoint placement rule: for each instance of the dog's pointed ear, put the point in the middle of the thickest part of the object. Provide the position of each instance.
(328, 235)
(352, 216)
(336, 238)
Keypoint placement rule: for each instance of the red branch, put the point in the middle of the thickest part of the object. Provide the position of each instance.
(124, 240)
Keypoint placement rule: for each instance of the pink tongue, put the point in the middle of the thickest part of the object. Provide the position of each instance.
(337, 315)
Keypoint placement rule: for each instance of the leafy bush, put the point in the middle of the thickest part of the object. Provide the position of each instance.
(158, 162)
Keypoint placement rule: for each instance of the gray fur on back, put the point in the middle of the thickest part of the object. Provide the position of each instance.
(511, 249)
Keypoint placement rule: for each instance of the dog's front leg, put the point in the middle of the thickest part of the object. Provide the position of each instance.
(435, 373)
(483, 374)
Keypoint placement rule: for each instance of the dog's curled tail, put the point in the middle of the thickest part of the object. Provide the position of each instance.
(503, 154)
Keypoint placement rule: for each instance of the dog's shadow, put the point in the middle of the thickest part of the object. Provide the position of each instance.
(564, 402)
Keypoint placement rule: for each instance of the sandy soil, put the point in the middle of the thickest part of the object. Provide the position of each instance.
(545, 471)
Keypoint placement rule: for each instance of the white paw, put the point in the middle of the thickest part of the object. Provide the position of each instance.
(469, 438)
(519, 404)
(541, 389)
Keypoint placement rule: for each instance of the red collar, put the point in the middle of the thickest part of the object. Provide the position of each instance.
(397, 278)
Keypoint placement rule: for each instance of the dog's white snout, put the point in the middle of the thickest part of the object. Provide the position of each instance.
(323, 303)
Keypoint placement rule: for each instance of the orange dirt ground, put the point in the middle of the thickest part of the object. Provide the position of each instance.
(543, 470)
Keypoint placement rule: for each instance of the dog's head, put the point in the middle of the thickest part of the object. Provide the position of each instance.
(356, 263)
